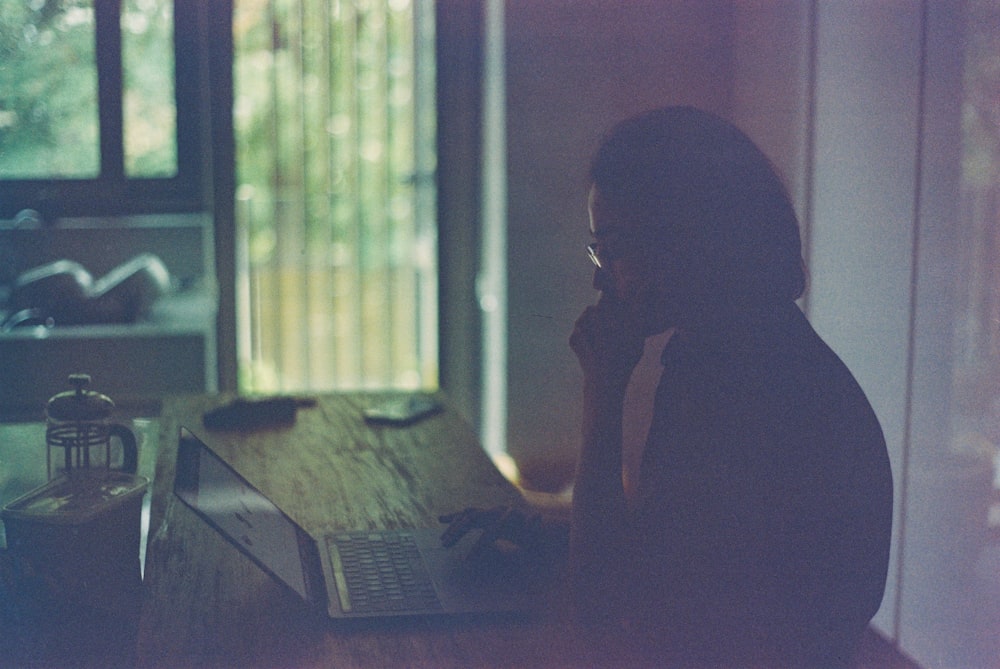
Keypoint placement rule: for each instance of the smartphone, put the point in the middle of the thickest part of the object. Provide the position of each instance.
(402, 410)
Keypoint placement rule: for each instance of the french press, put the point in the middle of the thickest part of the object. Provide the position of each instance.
(79, 422)
(77, 537)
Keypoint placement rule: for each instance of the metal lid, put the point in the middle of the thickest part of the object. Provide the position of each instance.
(79, 404)
(76, 499)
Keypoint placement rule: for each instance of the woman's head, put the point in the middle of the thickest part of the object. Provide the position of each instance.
(700, 191)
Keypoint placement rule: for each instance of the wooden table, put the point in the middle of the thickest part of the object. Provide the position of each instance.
(208, 605)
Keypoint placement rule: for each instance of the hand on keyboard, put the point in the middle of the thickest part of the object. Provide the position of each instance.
(504, 529)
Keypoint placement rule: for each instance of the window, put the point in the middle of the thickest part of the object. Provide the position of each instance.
(949, 600)
(99, 106)
(335, 135)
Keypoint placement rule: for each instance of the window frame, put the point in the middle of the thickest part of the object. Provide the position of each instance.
(112, 192)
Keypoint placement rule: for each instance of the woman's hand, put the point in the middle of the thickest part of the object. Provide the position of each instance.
(499, 524)
(607, 343)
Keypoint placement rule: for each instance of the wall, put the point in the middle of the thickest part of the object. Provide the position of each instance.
(867, 115)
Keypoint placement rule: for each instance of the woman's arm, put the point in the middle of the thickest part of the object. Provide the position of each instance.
(599, 537)
(598, 527)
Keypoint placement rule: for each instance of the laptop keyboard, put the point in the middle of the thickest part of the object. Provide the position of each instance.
(380, 572)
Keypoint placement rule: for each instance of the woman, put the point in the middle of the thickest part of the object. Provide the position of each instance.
(759, 531)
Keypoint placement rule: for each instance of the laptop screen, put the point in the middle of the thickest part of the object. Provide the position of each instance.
(243, 515)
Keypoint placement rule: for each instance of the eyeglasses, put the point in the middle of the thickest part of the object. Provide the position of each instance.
(602, 253)
(594, 253)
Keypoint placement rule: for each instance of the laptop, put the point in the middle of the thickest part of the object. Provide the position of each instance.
(350, 574)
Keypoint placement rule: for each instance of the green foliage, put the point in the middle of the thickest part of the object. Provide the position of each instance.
(49, 124)
(325, 117)
(150, 112)
(48, 89)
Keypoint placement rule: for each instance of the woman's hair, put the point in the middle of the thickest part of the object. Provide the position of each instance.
(697, 184)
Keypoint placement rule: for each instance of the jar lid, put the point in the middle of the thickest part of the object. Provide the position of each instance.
(76, 499)
(79, 404)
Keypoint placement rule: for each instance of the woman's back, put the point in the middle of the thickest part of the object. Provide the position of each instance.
(765, 497)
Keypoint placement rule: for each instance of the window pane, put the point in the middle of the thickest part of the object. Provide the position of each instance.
(149, 107)
(950, 605)
(335, 211)
(48, 90)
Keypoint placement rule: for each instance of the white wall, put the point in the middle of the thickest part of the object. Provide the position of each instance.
(865, 180)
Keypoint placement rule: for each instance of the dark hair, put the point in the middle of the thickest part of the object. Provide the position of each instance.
(698, 181)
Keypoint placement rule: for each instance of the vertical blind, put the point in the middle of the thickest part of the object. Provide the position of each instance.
(335, 127)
